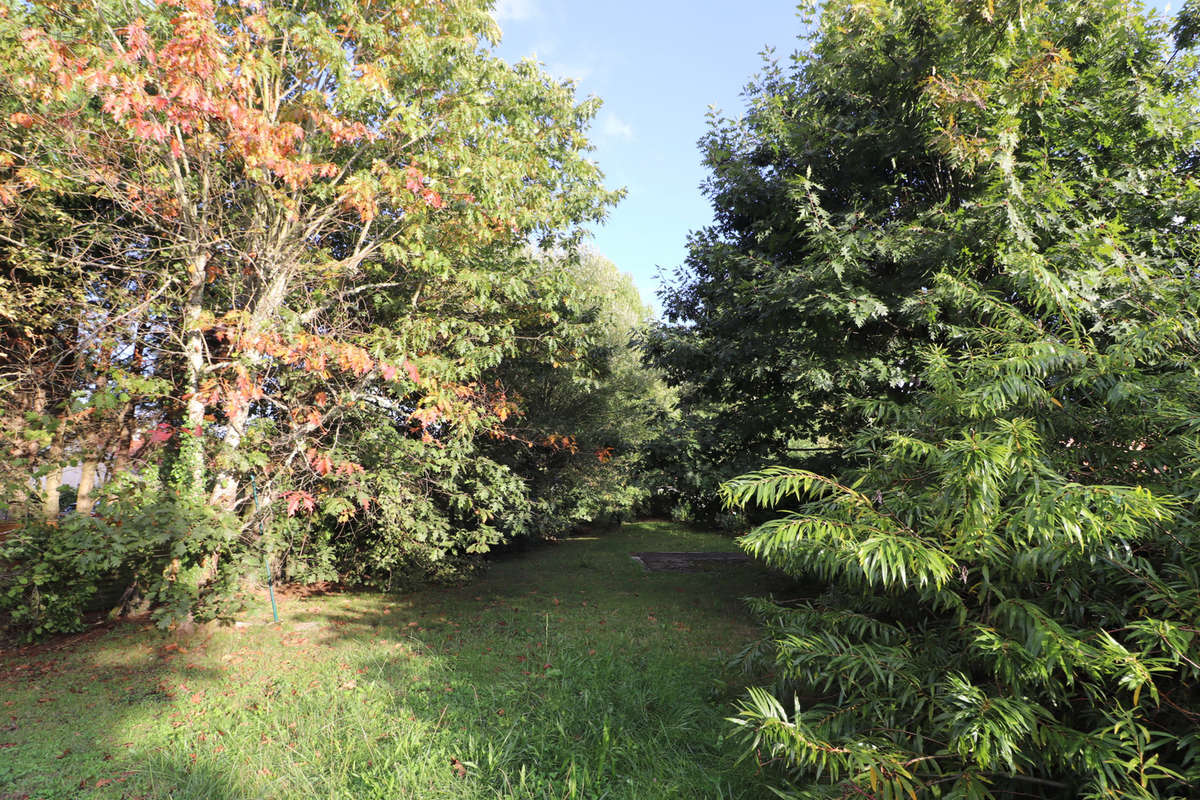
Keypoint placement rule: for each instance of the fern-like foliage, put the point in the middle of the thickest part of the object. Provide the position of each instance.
(1011, 631)
(1011, 551)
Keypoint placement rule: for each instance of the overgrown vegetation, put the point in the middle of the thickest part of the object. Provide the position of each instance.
(957, 241)
(306, 282)
(268, 266)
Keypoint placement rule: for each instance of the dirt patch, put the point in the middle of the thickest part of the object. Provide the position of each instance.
(687, 562)
(306, 590)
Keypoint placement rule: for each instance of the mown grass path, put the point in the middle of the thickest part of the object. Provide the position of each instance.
(566, 672)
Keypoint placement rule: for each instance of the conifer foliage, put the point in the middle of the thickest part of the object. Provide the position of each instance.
(1009, 554)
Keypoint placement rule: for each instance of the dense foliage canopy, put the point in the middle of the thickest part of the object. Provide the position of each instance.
(265, 263)
(957, 241)
(304, 283)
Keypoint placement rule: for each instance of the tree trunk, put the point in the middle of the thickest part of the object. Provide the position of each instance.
(97, 444)
(52, 479)
(19, 503)
(191, 452)
(124, 453)
(87, 482)
(50, 495)
(225, 489)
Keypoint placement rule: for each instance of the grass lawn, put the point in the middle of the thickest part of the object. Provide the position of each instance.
(566, 672)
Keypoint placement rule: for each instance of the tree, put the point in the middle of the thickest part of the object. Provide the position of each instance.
(1008, 548)
(584, 405)
(269, 217)
(829, 197)
(571, 405)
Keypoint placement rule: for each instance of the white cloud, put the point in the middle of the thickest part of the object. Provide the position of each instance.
(613, 127)
(566, 71)
(514, 10)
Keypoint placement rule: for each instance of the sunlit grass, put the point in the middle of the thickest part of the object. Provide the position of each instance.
(567, 672)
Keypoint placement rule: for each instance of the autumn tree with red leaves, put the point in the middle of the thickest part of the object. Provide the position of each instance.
(233, 232)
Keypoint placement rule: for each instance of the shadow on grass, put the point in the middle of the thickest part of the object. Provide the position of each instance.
(573, 672)
(64, 704)
(567, 671)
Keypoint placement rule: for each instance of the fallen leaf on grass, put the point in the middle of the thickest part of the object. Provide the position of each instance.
(458, 768)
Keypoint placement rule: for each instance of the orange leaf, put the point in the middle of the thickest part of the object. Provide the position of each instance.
(321, 463)
(298, 500)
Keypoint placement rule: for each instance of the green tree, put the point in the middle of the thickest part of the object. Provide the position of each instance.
(832, 197)
(266, 220)
(584, 405)
(1009, 544)
(571, 407)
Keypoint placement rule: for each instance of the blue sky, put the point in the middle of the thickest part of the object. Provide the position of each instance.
(658, 65)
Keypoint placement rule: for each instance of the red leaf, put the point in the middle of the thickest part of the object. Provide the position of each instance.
(413, 182)
(298, 500)
(320, 463)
